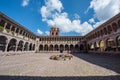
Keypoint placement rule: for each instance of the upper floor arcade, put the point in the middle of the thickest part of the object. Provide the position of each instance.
(11, 27)
(109, 28)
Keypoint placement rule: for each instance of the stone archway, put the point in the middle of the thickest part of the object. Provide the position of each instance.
(51, 47)
(61, 47)
(66, 47)
(110, 45)
(20, 46)
(33, 47)
(3, 41)
(46, 47)
(30, 47)
(114, 26)
(12, 45)
(76, 47)
(26, 46)
(81, 47)
(118, 42)
(56, 47)
(41, 47)
(71, 47)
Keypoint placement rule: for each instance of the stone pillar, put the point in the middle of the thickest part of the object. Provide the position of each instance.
(28, 47)
(11, 27)
(16, 46)
(15, 29)
(5, 26)
(36, 47)
(6, 47)
(23, 47)
(116, 45)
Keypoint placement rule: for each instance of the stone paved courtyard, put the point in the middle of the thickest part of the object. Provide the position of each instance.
(38, 65)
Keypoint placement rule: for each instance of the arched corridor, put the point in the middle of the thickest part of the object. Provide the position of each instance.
(30, 46)
(71, 47)
(46, 47)
(41, 48)
(56, 48)
(110, 45)
(20, 46)
(51, 47)
(33, 48)
(3, 41)
(12, 45)
(76, 47)
(26, 46)
(81, 47)
(66, 47)
(61, 47)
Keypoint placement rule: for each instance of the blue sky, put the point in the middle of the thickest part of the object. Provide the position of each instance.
(73, 17)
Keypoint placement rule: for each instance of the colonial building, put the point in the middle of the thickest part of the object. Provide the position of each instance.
(14, 37)
(54, 42)
(106, 37)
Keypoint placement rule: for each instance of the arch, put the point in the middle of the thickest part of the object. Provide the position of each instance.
(26, 46)
(12, 45)
(46, 47)
(51, 47)
(110, 45)
(20, 46)
(30, 46)
(66, 47)
(56, 47)
(71, 47)
(41, 47)
(61, 47)
(119, 23)
(2, 22)
(109, 28)
(81, 47)
(114, 26)
(76, 47)
(105, 31)
(3, 41)
(33, 47)
(118, 42)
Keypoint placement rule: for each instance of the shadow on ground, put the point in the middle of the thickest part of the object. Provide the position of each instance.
(60, 78)
(111, 62)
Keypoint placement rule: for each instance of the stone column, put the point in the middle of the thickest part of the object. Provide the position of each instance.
(5, 26)
(11, 27)
(23, 47)
(6, 47)
(16, 46)
(28, 47)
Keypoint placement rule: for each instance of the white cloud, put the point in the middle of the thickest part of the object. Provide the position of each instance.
(91, 20)
(39, 31)
(25, 3)
(47, 33)
(49, 8)
(52, 14)
(105, 9)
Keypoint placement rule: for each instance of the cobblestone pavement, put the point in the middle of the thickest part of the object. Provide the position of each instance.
(38, 66)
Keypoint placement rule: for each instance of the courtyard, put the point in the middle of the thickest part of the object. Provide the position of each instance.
(38, 65)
